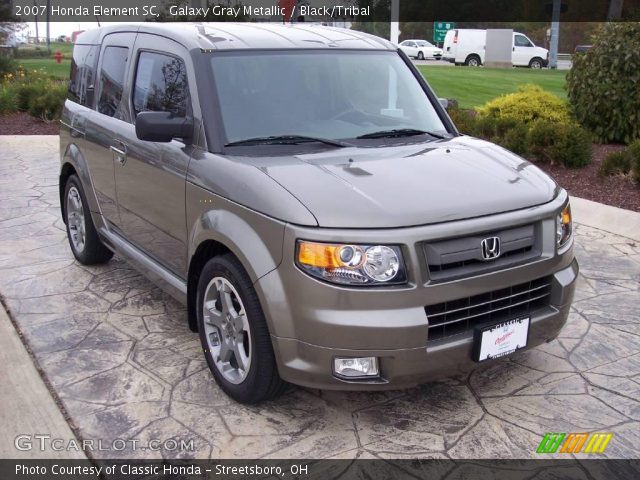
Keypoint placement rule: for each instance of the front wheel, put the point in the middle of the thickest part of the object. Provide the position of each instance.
(420, 56)
(234, 333)
(535, 63)
(84, 241)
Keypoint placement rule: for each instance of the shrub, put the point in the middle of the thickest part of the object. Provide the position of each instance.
(7, 65)
(516, 139)
(464, 120)
(27, 91)
(616, 163)
(572, 147)
(634, 155)
(603, 83)
(542, 135)
(8, 100)
(564, 143)
(48, 105)
(528, 104)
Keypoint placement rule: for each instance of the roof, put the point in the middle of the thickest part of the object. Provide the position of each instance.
(251, 36)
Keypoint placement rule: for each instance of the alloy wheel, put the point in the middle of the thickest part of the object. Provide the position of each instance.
(75, 219)
(227, 330)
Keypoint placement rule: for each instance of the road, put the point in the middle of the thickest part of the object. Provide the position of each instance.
(562, 64)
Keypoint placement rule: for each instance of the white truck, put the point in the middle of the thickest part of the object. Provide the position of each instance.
(467, 47)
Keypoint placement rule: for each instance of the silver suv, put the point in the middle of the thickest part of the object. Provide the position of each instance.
(305, 194)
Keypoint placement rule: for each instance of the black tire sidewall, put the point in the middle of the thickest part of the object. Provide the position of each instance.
(262, 363)
(95, 252)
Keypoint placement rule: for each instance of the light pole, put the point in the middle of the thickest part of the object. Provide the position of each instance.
(395, 21)
(555, 33)
(48, 25)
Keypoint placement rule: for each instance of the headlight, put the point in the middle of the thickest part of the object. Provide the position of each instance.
(564, 226)
(352, 264)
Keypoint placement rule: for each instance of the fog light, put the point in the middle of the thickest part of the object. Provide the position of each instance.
(356, 367)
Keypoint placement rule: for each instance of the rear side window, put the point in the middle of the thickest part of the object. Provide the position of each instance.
(114, 66)
(161, 85)
(83, 65)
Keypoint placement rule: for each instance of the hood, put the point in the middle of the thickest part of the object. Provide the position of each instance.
(401, 186)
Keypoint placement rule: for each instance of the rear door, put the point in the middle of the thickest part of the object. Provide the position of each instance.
(151, 182)
(104, 125)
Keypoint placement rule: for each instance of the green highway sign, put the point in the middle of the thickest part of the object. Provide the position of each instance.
(440, 29)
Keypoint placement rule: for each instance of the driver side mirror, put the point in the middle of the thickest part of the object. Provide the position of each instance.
(163, 127)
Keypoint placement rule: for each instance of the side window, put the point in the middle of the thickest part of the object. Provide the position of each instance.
(161, 85)
(83, 66)
(112, 73)
(521, 41)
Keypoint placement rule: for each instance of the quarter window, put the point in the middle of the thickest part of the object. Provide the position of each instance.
(114, 66)
(82, 73)
(161, 85)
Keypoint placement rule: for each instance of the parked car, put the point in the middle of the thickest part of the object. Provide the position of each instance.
(582, 48)
(467, 47)
(420, 49)
(318, 232)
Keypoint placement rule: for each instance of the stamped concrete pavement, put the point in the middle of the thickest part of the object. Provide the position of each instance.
(119, 356)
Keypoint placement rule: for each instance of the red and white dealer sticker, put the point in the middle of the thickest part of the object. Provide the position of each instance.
(501, 339)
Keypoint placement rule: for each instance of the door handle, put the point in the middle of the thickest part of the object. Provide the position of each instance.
(120, 155)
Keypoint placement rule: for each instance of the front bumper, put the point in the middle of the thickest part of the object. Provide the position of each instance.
(312, 322)
(310, 365)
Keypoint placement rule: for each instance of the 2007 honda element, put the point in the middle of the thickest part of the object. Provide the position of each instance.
(304, 193)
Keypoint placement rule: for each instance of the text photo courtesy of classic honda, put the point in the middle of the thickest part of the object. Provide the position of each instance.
(304, 193)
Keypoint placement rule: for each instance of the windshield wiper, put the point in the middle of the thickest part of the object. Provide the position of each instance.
(286, 140)
(400, 132)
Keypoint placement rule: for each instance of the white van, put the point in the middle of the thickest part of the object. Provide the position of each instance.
(467, 47)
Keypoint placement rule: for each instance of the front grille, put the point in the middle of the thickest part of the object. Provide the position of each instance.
(461, 257)
(458, 316)
(465, 263)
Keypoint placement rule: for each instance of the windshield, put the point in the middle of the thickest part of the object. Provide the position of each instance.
(326, 94)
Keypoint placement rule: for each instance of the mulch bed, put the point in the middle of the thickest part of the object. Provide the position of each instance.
(585, 182)
(581, 182)
(22, 123)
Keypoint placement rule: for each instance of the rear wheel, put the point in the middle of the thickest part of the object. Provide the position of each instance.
(535, 63)
(234, 334)
(81, 232)
(420, 56)
(472, 61)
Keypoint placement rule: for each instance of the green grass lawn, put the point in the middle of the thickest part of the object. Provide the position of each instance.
(47, 65)
(472, 87)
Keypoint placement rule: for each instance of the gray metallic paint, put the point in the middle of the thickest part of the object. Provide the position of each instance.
(259, 206)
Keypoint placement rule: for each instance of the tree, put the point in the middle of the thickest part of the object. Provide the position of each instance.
(603, 83)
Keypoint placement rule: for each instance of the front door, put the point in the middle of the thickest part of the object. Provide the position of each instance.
(151, 180)
(522, 50)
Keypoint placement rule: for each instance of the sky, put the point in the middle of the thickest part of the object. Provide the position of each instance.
(59, 28)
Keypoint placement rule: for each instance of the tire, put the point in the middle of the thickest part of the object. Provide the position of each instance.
(83, 238)
(235, 318)
(536, 63)
(472, 61)
(420, 56)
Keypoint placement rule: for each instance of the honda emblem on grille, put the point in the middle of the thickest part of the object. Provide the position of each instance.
(490, 248)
